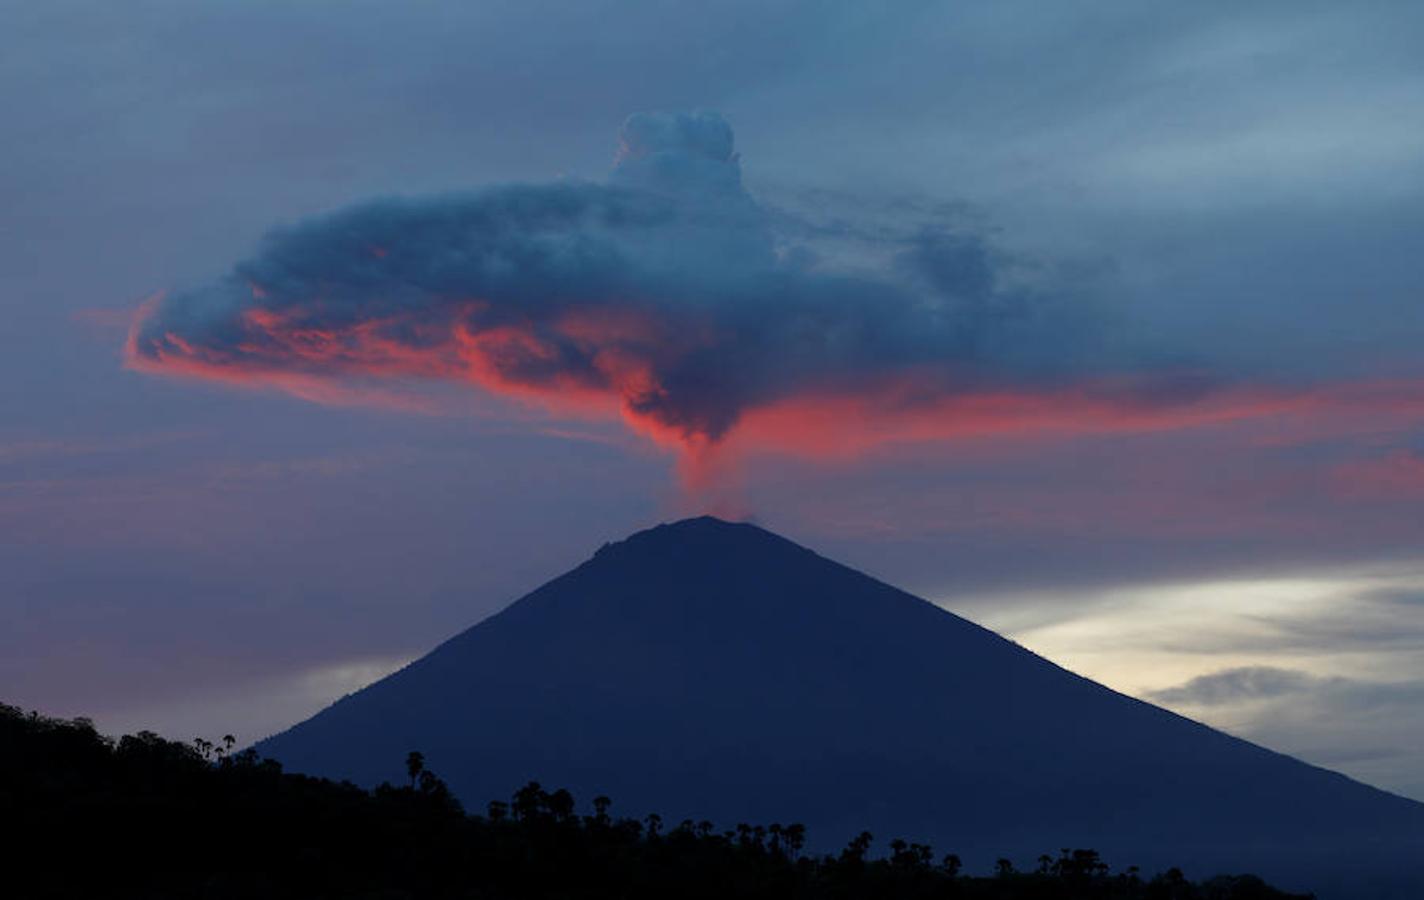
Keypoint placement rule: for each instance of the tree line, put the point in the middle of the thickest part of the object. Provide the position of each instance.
(141, 816)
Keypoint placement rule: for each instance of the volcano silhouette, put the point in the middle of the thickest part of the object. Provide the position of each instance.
(711, 670)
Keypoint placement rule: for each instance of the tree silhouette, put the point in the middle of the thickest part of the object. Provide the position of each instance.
(560, 805)
(600, 809)
(795, 835)
(129, 807)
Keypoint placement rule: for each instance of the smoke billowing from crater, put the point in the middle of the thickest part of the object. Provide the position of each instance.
(669, 296)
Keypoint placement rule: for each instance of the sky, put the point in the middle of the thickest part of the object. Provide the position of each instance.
(329, 329)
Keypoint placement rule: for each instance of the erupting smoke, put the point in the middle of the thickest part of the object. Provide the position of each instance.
(671, 297)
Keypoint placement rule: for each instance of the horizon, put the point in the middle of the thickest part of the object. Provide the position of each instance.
(329, 335)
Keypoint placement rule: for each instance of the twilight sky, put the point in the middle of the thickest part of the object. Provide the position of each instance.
(331, 328)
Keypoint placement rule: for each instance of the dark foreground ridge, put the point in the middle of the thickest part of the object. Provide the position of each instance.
(145, 817)
(715, 670)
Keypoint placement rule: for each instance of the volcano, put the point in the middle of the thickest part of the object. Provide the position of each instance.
(713, 670)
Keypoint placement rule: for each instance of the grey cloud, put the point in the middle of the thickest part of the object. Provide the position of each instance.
(667, 288)
(1368, 728)
(1238, 684)
(1291, 687)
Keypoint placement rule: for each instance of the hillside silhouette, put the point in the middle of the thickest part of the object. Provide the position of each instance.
(145, 817)
(715, 670)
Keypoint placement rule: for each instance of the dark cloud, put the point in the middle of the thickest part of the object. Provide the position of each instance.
(667, 290)
(1294, 688)
(1367, 727)
(1236, 685)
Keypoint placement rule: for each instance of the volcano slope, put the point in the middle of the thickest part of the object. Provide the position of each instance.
(712, 670)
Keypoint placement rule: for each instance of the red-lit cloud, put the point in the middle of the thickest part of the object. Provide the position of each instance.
(324, 363)
(667, 299)
(849, 424)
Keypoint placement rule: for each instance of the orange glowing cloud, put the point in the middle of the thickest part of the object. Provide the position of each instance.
(320, 363)
(848, 424)
(618, 379)
(666, 299)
